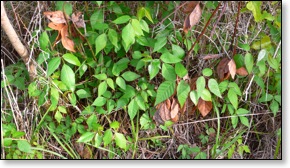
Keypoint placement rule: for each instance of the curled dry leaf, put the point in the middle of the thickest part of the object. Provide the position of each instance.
(164, 111)
(223, 69)
(192, 19)
(242, 71)
(204, 107)
(78, 19)
(174, 109)
(211, 56)
(56, 26)
(55, 17)
(189, 6)
(66, 42)
(232, 68)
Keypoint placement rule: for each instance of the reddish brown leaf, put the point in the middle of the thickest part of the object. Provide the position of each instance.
(211, 56)
(164, 112)
(78, 19)
(242, 71)
(192, 19)
(189, 6)
(204, 107)
(174, 109)
(232, 68)
(55, 17)
(66, 42)
(222, 69)
(56, 26)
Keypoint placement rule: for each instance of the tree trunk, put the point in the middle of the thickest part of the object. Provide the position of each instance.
(16, 43)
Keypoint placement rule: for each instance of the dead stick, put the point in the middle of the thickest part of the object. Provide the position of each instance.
(235, 32)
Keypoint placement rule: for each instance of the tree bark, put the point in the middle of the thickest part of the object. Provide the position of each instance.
(16, 43)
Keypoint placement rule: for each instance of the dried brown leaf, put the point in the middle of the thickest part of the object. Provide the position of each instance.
(78, 19)
(232, 68)
(55, 17)
(56, 26)
(222, 69)
(192, 19)
(211, 56)
(66, 42)
(174, 109)
(189, 6)
(204, 107)
(164, 112)
(242, 71)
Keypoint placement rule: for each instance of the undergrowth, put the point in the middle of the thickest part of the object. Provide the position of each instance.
(128, 82)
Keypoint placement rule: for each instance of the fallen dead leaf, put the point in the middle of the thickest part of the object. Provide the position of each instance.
(204, 107)
(56, 26)
(232, 68)
(164, 112)
(189, 6)
(192, 19)
(55, 17)
(242, 71)
(66, 42)
(223, 69)
(78, 19)
(174, 109)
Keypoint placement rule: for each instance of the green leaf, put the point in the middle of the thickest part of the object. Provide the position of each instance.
(115, 125)
(7, 142)
(58, 116)
(70, 58)
(245, 47)
(178, 51)
(207, 72)
(43, 40)
(274, 106)
(137, 55)
(145, 121)
(119, 66)
(168, 72)
(223, 86)
(54, 97)
(242, 111)
(133, 109)
(214, 87)
(235, 121)
(53, 64)
(205, 95)
(67, 8)
(121, 82)
(98, 140)
(108, 136)
(265, 42)
(100, 101)
(120, 140)
(273, 62)
(148, 15)
(153, 68)
(144, 26)
(72, 98)
(183, 90)
(231, 151)
(249, 62)
(101, 76)
(83, 69)
(261, 55)
(68, 77)
(122, 19)
(164, 91)
(82, 93)
(101, 42)
(169, 58)
(113, 37)
(255, 7)
(128, 36)
(92, 122)
(194, 97)
(62, 109)
(137, 27)
(233, 98)
(180, 70)
(96, 18)
(245, 121)
(110, 82)
(235, 87)
(140, 101)
(141, 13)
(160, 43)
(24, 146)
(102, 88)
(200, 85)
(246, 149)
(130, 76)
